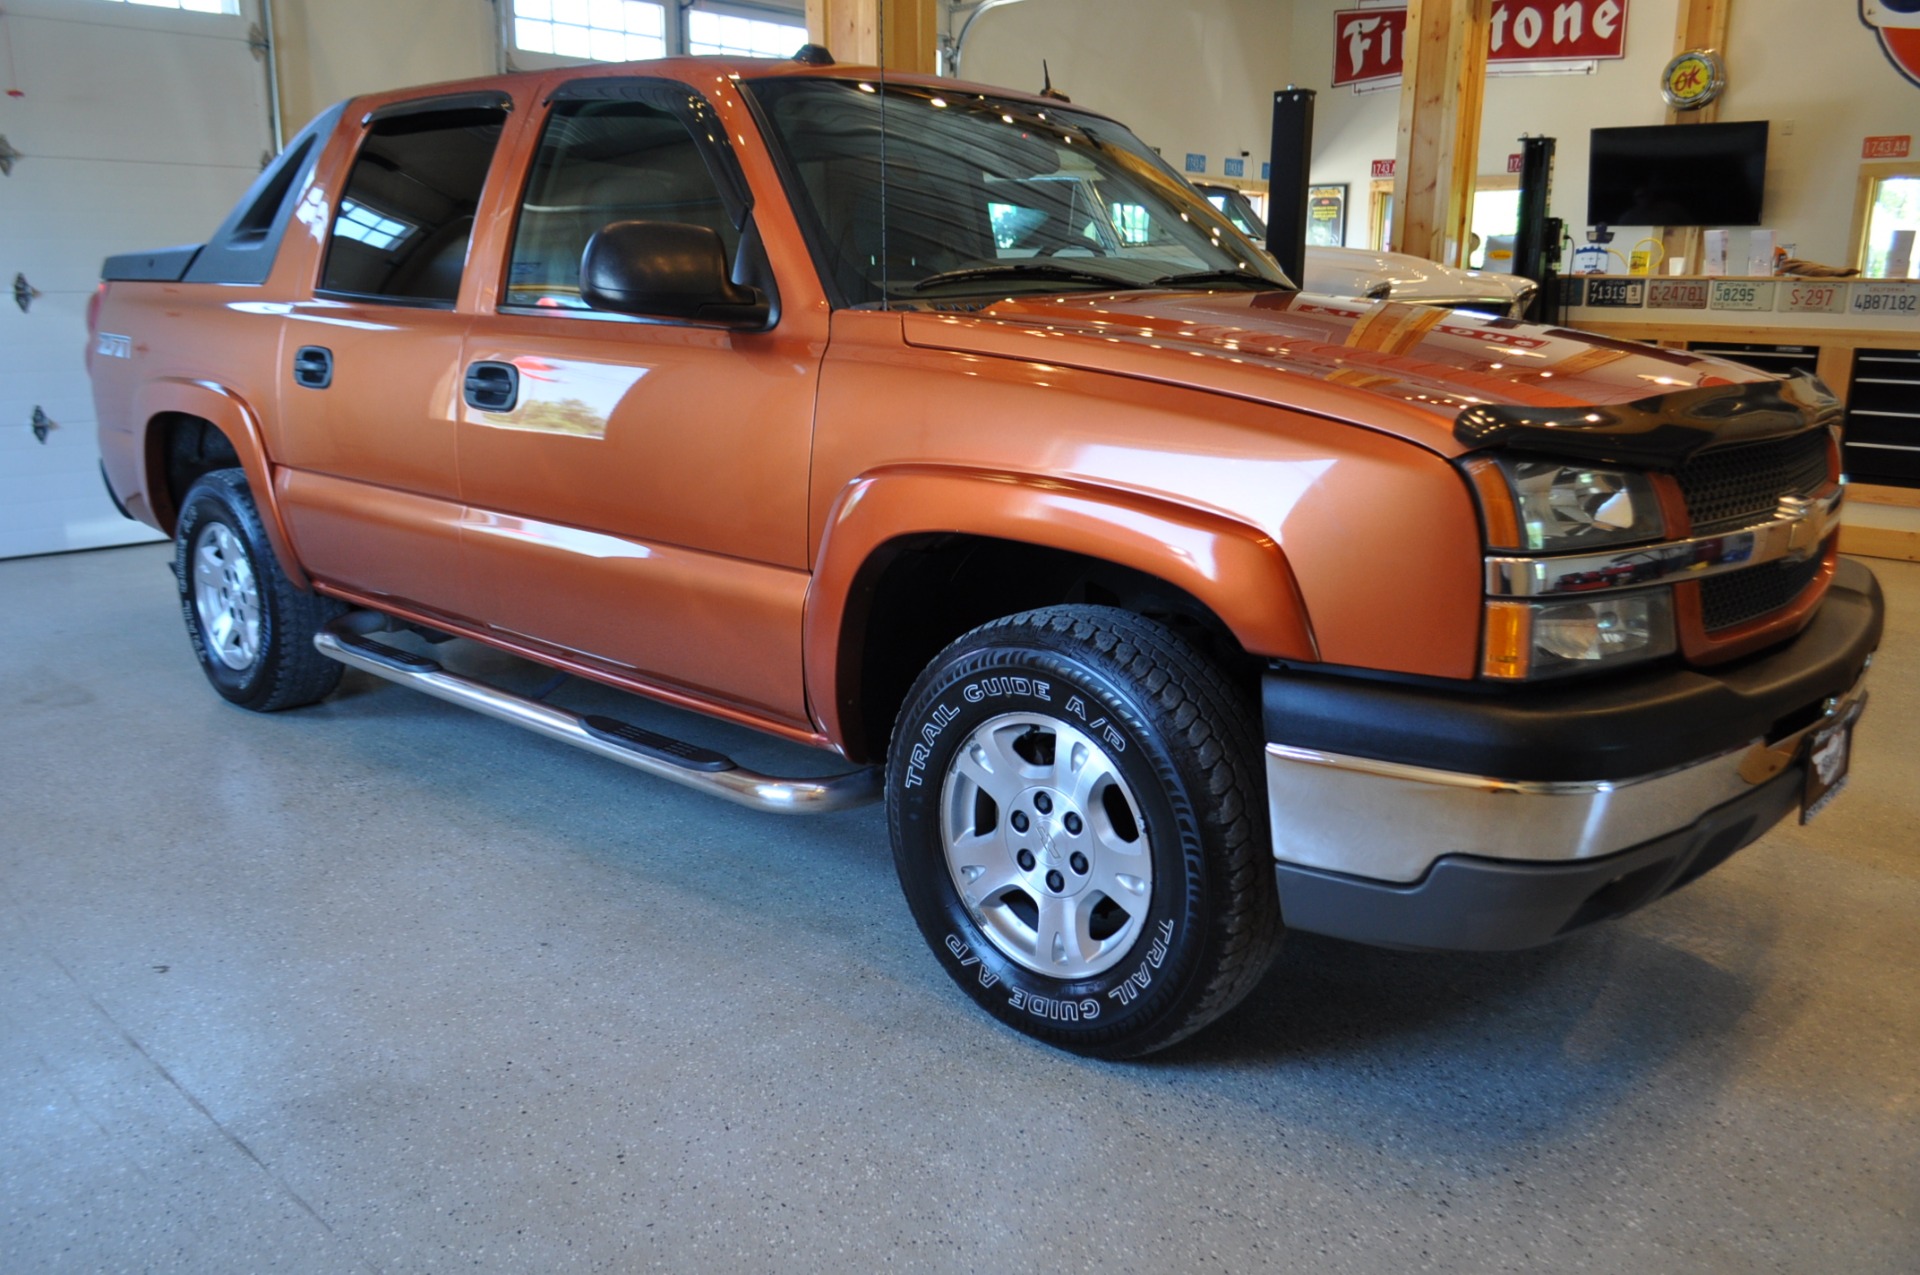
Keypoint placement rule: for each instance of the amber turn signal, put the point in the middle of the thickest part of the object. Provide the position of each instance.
(1509, 647)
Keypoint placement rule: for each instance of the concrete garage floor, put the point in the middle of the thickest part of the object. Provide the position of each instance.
(385, 986)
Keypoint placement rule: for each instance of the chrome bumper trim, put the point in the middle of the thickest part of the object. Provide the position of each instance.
(1797, 530)
(1389, 822)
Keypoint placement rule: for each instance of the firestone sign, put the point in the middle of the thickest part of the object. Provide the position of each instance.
(1370, 44)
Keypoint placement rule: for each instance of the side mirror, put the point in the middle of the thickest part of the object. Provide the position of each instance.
(667, 270)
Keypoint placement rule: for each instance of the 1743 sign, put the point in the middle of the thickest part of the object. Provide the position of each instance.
(1370, 44)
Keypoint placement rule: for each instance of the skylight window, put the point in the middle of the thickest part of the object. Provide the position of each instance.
(599, 30)
(742, 37)
(361, 223)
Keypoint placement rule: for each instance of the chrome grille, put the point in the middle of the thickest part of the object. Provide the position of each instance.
(1728, 487)
(1740, 596)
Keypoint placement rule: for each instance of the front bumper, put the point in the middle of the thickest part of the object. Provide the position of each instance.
(1413, 817)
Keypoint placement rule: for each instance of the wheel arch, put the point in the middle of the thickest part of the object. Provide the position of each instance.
(912, 557)
(196, 426)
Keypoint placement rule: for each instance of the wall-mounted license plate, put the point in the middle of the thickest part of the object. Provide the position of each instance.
(1621, 294)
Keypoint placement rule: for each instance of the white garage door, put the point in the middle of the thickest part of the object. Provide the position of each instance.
(137, 126)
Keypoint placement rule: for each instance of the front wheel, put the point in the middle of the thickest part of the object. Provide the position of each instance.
(251, 627)
(1079, 832)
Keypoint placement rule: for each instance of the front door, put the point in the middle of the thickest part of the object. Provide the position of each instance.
(637, 490)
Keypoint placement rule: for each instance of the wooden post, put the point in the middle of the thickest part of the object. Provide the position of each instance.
(851, 29)
(1437, 154)
(1700, 24)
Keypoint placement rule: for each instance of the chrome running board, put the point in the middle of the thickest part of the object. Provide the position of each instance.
(349, 640)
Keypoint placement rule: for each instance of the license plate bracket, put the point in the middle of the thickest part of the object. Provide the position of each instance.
(1829, 757)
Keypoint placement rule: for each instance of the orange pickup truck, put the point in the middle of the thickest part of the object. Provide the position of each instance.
(948, 430)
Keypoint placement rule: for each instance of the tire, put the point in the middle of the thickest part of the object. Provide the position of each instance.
(252, 629)
(1089, 781)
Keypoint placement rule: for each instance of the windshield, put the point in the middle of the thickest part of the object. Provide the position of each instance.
(990, 195)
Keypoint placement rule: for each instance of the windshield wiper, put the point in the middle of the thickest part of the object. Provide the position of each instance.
(1023, 270)
(1259, 283)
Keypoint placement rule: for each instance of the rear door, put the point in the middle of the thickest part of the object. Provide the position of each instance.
(369, 384)
(135, 127)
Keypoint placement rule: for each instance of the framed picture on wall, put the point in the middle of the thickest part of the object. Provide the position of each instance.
(1327, 215)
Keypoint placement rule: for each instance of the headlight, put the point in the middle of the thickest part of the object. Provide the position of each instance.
(1551, 506)
(1559, 507)
(1531, 640)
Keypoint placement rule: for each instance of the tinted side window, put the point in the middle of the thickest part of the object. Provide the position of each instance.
(602, 161)
(403, 225)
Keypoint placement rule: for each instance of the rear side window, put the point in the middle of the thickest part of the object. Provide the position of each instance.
(601, 161)
(403, 224)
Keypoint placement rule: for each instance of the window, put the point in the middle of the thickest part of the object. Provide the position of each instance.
(1891, 216)
(1495, 220)
(190, 6)
(984, 194)
(710, 32)
(597, 30)
(1380, 198)
(603, 160)
(402, 228)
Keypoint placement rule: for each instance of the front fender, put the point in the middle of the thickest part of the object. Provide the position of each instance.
(1237, 571)
(234, 417)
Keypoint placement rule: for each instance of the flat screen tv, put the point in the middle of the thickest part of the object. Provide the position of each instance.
(1677, 175)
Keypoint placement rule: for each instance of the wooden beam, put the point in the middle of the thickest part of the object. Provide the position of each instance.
(1699, 24)
(1834, 366)
(851, 30)
(1869, 494)
(1767, 334)
(1442, 86)
(1880, 542)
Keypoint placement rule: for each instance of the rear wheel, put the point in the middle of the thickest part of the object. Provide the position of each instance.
(252, 629)
(1078, 829)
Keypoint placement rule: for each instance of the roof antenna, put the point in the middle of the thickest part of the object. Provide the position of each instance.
(1046, 85)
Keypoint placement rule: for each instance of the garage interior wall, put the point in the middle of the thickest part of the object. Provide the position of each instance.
(1814, 69)
(1189, 78)
(1198, 78)
(334, 49)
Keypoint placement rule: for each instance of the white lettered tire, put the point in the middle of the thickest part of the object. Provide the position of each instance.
(1078, 828)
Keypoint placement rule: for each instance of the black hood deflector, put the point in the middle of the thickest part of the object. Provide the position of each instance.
(1661, 432)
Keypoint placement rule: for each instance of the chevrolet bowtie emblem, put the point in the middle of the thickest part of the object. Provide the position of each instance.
(1802, 532)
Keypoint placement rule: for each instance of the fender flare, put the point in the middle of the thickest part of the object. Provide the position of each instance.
(234, 417)
(1238, 571)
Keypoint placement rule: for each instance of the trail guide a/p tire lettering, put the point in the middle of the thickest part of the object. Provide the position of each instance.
(1077, 827)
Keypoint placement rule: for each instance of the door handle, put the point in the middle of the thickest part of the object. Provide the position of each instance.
(493, 387)
(313, 367)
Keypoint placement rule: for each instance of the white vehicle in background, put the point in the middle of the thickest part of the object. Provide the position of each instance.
(1400, 276)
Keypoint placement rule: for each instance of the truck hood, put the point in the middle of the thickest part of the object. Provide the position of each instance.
(1409, 370)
